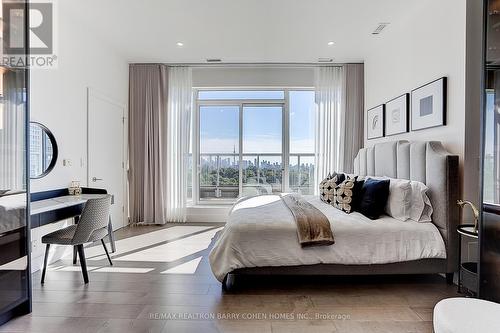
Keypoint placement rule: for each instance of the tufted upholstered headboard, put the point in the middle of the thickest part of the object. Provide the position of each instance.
(429, 163)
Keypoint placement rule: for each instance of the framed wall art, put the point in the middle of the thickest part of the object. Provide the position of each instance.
(396, 115)
(428, 105)
(375, 122)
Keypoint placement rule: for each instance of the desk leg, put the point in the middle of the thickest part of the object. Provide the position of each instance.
(111, 236)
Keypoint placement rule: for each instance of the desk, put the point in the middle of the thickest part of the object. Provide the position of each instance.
(63, 207)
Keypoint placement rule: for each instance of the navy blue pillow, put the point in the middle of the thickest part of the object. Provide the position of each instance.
(357, 194)
(374, 195)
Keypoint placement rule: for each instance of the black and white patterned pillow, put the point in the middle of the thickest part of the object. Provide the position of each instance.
(344, 195)
(327, 187)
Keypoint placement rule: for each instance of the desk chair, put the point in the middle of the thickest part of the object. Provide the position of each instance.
(92, 226)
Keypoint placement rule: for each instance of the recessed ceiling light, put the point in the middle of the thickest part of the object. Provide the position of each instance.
(331, 43)
(180, 44)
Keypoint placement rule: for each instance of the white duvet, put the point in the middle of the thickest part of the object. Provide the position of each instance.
(261, 232)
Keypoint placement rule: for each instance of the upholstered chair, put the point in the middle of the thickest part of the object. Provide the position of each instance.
(92, 226)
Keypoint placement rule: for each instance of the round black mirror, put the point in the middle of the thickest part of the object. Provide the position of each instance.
(43, 150)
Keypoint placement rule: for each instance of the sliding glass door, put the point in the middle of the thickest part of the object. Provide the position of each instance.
(219, 152)
(489, 233)
(15, 275)
(262, 157)
(253, 142)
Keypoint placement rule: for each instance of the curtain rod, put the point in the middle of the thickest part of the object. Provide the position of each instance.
(232, 64)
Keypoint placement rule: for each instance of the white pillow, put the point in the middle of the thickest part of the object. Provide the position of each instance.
(408, 200)
(399, 202)
(421, 208)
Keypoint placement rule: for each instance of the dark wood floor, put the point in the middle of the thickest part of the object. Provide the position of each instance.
(161, 282)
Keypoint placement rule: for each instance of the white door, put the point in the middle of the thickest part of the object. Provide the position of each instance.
(106, 151)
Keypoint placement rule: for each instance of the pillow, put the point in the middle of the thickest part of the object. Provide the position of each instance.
(357, 194)
(327, 187)
(347, 195)
(343, 195)
(374, 194)
(339, 177)
(399, 200)
(420, 204)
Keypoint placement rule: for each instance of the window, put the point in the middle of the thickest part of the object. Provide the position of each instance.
(302, 124)
(491, 167)
(262, 156)
(252, 142)
(219, 152)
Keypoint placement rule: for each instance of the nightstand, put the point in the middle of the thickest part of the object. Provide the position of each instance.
(467, 274)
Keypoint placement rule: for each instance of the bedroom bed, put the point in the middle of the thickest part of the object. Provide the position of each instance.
(261, 234)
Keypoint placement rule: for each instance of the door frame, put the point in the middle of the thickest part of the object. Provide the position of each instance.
(95, 93)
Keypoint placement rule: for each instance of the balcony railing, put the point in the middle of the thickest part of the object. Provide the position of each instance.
(261, 174)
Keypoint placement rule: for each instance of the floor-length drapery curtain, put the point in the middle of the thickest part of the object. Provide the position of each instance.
(177, 142)
(148, 94)
(159, 132)
(330, 120)
(354, 114)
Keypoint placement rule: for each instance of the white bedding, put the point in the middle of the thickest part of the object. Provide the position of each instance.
(12, 212)
(261, 232)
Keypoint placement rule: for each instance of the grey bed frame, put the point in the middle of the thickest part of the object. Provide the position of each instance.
(427, 162)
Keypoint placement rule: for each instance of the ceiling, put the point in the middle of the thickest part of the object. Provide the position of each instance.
(239, 31)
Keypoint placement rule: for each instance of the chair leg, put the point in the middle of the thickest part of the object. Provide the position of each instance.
(83, 263)
(45, 262)
(107, 253)
(111, 235)
(77, 219)
(75, 252)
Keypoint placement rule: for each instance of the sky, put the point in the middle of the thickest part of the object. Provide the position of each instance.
(262, 126)
(490, 123)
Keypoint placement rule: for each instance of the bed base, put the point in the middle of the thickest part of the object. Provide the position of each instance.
(423, 266)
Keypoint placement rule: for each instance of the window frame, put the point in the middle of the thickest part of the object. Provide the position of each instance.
(241, 103)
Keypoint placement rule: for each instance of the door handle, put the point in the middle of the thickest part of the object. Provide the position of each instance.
(94, 179)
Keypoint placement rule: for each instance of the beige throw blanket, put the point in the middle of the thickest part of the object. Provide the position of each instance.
(313, 227)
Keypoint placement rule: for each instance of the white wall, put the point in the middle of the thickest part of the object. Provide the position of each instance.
(59, 101)
(58, 96)
(441, 38)
(429, 44)
(253, 76)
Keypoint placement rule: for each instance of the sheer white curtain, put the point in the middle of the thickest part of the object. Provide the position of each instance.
(12, 131)
(330, 120)
(177, 136)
